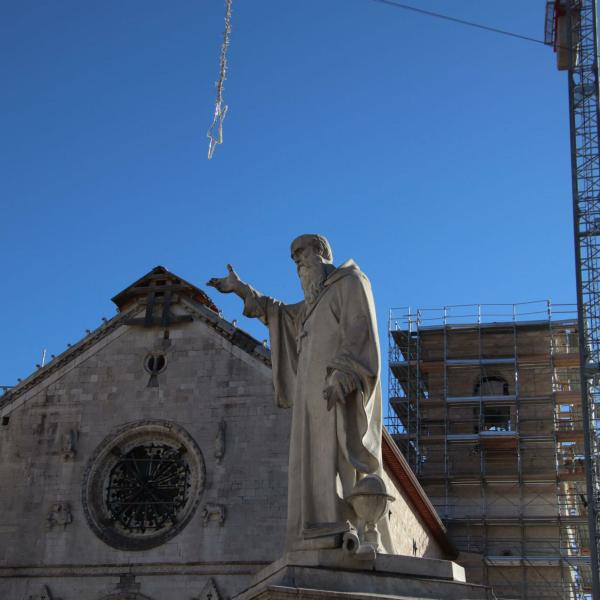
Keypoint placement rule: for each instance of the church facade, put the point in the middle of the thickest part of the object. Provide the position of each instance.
(149, 461)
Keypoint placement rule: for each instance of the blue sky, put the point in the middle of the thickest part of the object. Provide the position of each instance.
(435, 155)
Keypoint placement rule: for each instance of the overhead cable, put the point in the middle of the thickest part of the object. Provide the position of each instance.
(437, 15)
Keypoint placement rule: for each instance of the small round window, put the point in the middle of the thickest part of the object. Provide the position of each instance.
(155, 363)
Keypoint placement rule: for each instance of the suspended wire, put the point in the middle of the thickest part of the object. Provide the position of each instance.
(215, 131)
(461, 21)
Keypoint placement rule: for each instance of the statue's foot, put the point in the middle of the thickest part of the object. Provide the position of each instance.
(317, 530)
(321, 536)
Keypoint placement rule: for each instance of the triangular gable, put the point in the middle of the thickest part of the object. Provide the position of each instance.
(133, 310)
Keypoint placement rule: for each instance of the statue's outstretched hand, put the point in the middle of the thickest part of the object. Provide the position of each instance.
(339, 385)
(227, 284)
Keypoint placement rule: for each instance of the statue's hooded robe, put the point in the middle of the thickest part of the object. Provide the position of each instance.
(329, 449)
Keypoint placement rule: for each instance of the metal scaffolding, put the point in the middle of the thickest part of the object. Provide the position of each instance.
(485, 403)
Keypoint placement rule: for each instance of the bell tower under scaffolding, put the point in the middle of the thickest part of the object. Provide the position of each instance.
(485, 403)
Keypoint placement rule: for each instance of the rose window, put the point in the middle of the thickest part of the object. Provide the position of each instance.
(143, 485)
(148, 487)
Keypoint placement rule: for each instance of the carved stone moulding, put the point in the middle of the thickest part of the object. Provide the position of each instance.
(126, 596)
(46, 594)
(213, 512)
(220, 440)
(143, 484)
(59, 515)
(209, 591)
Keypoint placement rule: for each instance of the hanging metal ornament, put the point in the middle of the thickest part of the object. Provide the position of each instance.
(215, 131)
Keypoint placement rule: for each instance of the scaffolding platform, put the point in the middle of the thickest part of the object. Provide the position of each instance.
(485, 403)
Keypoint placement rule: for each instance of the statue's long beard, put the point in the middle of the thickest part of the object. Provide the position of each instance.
(312, 276)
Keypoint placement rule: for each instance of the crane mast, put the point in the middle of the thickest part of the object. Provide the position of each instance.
(572, 28)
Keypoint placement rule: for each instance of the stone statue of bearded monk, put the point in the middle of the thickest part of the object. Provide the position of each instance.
(326, 368)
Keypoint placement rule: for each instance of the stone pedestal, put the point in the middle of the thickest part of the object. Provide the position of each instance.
(333, 575)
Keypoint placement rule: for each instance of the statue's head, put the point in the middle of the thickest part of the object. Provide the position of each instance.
(313, 257)
(311, 243)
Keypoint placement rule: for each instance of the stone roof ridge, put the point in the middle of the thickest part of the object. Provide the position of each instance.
(159, 281)
(229, 330)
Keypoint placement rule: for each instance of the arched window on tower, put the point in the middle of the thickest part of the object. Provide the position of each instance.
(491, 386)
(494, 417)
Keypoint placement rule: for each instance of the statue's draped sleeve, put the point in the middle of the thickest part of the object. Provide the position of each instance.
(359, 418)
(281, 319)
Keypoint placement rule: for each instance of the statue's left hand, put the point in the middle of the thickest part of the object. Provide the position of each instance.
(339, 385)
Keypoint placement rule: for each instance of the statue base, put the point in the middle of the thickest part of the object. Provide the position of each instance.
(334, 575)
